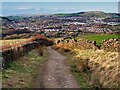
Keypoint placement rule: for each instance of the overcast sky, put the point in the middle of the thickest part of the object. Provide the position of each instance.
(59, 0)
(16, 7)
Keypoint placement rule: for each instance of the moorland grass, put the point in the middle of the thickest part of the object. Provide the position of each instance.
(21, 74)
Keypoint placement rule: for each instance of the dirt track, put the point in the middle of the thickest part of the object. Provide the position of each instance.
(57, 74)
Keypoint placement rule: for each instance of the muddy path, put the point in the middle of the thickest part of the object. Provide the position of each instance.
(57, 74)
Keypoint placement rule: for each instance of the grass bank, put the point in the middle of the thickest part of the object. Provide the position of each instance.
(24, 73)
(93, 68)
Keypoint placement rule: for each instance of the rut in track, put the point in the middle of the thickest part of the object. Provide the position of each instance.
(57, 74)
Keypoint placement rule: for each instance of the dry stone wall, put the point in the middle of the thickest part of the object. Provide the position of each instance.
(15, 53)
(81, 44)
(111, 45)
(86, 44)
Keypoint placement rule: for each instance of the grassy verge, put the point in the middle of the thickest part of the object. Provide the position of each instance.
(80, 77)
(93, 68)
(22, 73)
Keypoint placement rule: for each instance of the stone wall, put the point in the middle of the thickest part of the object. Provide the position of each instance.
(81, 44)
(111, 45)
(15, 53)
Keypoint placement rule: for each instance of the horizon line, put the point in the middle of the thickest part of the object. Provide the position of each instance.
(52, 13)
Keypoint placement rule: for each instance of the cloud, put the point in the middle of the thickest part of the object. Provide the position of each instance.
(37, 9)
(24, 8)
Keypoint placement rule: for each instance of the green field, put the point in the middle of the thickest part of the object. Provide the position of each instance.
(12, 41)
(98, 38)
(3, 29)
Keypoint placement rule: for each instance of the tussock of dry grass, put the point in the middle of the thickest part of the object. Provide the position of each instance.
(104, 66)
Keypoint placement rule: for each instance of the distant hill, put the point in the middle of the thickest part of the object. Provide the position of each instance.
(37, 14)
(5, 18)
(93, 12)
(90, 12)
(41, 14)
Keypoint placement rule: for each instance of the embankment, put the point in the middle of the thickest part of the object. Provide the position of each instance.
(101, 65)
(15, 52)
(27, 72)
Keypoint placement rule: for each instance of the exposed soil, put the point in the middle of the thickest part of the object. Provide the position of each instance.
(57, 74)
